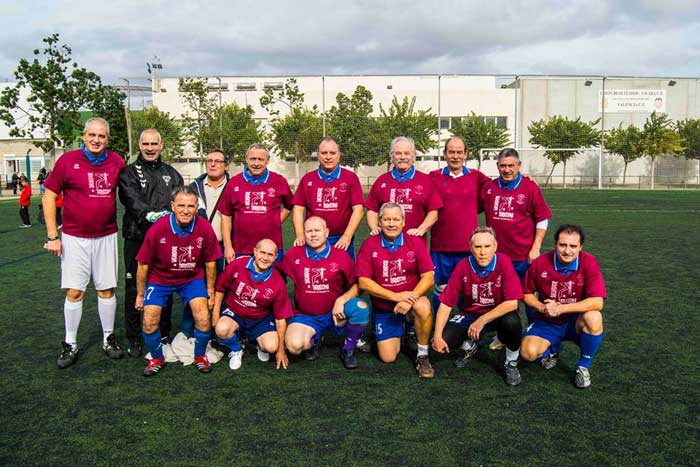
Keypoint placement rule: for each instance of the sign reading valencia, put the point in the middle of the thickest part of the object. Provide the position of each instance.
(632, 100)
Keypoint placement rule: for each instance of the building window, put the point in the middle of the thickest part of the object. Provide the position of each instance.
(445, 123)
(501, 122)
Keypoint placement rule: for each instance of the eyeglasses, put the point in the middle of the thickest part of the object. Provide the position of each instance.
(215, 162)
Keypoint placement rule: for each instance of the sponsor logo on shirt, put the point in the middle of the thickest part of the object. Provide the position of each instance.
(326, 198)
(563, 291)
(482, 294)
(255, 201)
(182, 258)
(316, 279)
(402, 196)
(246, 295)
(98, 184)
(393, 272)
(503, 207)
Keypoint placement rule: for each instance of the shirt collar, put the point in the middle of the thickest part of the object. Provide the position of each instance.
(255, 275)
(255, 180)
(323, 254)
(181, 231)
(447, 171)
(565, 268)
(94, 160)
(403, 177)
(329, 177)
(391, 246)
(512, 185)
(483, 271)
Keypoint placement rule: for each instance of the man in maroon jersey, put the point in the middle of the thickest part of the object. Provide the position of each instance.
(178, 254)
(566, 288)
(88, 178)
(488, 289)
(254, 205)
(396, 271)
(333, 194)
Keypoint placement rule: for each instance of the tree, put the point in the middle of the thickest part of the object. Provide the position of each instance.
(479, 133)
(559, 132)
(108, 103)
(169, 129)
(297, 134)
(357, 133)
(689, 131)
(236, 133)
(659, 137)
(201, 109)
(58, 89)
(625, 142)
(402, 120)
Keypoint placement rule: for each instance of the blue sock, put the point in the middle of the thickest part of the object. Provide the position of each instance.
(201, 339)
(153, 343)
(589, 347)
(352, 334)
(187, 324)
(232, 342)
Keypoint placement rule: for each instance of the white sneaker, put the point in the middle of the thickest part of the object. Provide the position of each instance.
(235, 359)
(496, 344)
(263, 356)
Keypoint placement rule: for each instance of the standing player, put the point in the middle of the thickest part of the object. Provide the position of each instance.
(25, 200)
(333, 194)
(566, 288)
(145, 188)
(396, 271)
(88, 179)
(254, 205)
(178, 255)
(407, 187)
(488, 289)
(458, 188)
(256, 307)
(517, 212)
(325, 295)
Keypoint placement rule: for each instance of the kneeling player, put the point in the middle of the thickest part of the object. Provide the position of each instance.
(257, 306)
(489, 289)
(570, 292)
(173, 258)
(325, 295)
(396, 271)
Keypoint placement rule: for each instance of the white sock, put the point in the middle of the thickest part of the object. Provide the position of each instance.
(422, 350)
(512, 354)
(107, 308)
(72, 313)
(467, 345)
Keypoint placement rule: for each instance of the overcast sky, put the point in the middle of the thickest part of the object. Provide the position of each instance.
(116, 38)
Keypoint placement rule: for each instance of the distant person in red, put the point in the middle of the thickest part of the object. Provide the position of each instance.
(25, 200)
(88, 178)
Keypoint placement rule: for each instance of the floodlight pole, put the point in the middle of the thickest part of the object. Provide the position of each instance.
(323, 103)
(602, 136)
(221, 121)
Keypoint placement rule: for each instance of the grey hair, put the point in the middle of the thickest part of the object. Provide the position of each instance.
(257, 146)
(151, 130)
(482, 229)
(186, 189)
(391, 205)
(508, 152)
(96, 119)
(402, 139)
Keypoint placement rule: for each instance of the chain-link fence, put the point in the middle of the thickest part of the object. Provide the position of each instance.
(570, 131)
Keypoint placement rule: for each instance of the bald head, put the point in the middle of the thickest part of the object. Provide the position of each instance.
(315, 233)
(264, 255)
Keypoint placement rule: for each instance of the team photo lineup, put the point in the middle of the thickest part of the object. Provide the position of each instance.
(218, 244)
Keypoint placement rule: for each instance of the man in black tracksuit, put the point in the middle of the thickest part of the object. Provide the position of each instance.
(145, 187)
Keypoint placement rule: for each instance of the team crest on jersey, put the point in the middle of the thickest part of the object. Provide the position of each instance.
(411, 257)
(579, 280)
(98, 183)
(166, 179)
(200, 242)
(333, 267)
(267, 293)
(271, 192)
(393, 272)
(520, 199)
(343, 187)
(419, 189)
(503, 207)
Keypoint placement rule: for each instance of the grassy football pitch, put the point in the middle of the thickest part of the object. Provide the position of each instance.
(643, 407)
